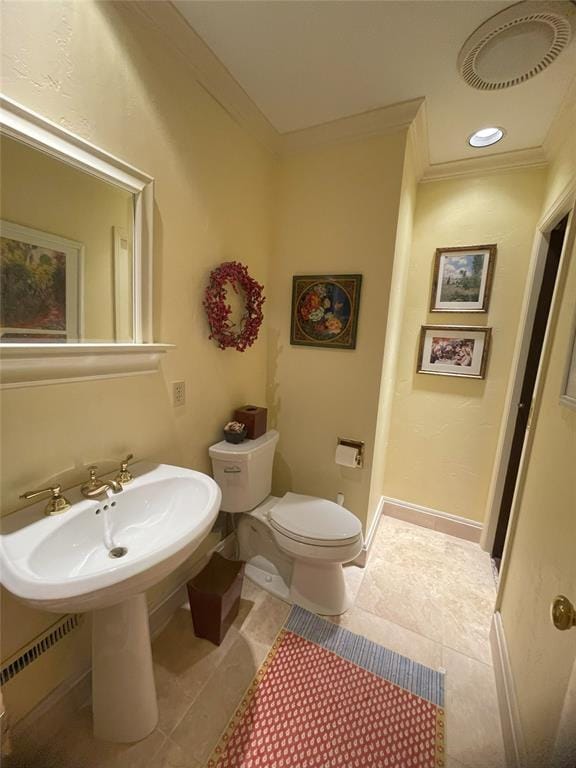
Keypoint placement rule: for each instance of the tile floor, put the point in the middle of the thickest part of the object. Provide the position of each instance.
(424, 594)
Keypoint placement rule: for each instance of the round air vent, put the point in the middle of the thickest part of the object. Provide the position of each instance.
(516, 44)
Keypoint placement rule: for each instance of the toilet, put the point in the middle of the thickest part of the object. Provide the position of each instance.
(294, 546)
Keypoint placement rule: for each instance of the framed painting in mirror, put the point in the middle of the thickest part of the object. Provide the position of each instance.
(41, 281)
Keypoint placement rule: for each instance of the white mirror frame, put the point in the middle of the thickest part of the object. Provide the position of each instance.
(34, 364)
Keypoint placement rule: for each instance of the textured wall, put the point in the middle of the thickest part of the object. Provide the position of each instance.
(540, 560)
(96, 69)
(336, 213)
(399, 285)
(444, 430)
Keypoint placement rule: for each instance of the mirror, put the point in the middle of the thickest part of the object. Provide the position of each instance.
(75, 259)
(66, 237)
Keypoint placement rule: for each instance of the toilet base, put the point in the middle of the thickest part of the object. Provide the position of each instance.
(317, 584)
(320, 587)
(265, 575)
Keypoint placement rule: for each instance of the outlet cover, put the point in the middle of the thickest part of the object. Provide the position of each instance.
(178, 393)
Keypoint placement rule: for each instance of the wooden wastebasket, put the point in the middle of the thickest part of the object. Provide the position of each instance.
(214, 596)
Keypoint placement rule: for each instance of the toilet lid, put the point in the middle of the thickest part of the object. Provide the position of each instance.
(314, 519)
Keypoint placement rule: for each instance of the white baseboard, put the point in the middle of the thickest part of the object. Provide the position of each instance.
(72, 694)
(362, 558)
(443, 522)
(507, 703)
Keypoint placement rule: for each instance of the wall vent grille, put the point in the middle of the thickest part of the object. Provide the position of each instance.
(551, 22)
(48, 639)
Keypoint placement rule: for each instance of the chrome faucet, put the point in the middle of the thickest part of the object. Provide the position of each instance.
(96, 486)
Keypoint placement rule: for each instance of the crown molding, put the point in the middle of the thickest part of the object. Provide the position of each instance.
(563, 123)
(217, 80)
(418, 137)
(207, 68)
(374, 122)
(534, 157)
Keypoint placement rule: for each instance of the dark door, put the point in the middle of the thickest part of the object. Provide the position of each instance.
(532, 363)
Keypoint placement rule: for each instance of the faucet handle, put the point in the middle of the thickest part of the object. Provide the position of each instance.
(128, 458)
(124, 475)
(56, 504)
(93, 481)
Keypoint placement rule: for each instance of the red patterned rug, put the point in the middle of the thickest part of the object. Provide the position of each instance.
(326, 697)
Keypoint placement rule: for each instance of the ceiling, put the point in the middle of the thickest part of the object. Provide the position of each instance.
(308, 62)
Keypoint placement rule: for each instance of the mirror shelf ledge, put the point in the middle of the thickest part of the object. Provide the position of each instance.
(25, 365)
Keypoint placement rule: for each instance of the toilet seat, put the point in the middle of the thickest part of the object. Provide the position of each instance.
(313, 521)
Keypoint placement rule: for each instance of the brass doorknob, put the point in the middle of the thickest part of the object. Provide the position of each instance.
(562, 613)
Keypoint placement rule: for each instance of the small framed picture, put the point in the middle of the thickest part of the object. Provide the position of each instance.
(454, 350)
(325, 310)
(463, 279)
(568, 394)
(41, 277)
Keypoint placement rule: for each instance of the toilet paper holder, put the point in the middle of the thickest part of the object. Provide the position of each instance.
(358, 444)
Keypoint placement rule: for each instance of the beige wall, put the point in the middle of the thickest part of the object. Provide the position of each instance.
(394, 320)
(112, 80)
(540, 561)
(444, 431)
(41, 192)
(336, 212)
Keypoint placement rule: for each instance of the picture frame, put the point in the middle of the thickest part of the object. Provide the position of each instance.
(52, 311)
(568, 393)
(325, 310)
(454, 350)
(462, 278)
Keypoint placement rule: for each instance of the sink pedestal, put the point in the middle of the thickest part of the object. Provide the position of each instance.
(124, 702)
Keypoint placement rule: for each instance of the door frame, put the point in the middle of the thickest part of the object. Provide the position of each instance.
(561, 207)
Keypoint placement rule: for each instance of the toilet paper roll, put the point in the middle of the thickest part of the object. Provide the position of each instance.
(346, 456)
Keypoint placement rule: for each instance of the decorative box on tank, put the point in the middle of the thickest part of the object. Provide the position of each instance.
(254, 418)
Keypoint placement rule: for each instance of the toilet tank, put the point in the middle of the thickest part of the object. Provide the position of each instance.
(244, 471)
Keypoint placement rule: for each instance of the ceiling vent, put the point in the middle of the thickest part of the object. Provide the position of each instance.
(516, 44)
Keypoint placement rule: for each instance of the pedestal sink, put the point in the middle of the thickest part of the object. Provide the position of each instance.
(102, 556)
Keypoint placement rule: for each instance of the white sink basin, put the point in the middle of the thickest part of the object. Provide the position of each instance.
(64, 564)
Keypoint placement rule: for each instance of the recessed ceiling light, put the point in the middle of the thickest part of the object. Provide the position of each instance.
(485, 137)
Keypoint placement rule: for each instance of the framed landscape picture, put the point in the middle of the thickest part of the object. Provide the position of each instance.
(325, 310)
(40, 280)
(463, 279)
(454, 350)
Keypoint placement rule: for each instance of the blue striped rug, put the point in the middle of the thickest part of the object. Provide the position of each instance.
(399, 670)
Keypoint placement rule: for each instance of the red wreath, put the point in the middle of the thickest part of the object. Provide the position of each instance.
(218, 311)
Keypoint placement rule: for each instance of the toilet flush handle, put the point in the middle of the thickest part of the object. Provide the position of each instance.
(232, 470)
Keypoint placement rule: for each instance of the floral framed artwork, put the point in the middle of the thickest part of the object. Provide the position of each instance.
(454, 350)
(462, 279)
(325, 310)
(41, 281)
